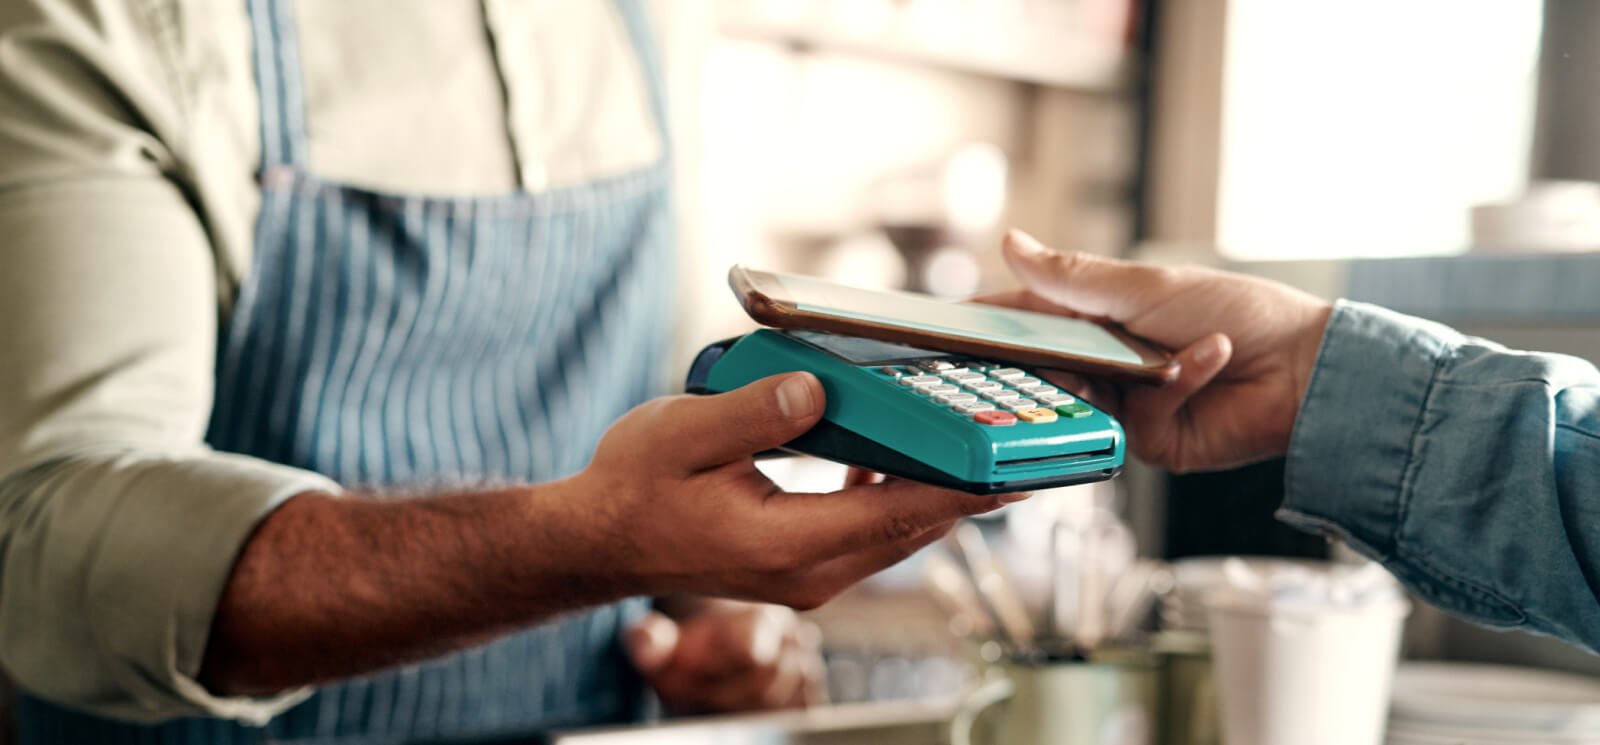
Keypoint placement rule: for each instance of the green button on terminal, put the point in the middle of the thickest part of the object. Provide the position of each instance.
(1074, 411)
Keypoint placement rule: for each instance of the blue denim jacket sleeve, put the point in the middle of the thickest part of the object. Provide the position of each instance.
(1472, 472)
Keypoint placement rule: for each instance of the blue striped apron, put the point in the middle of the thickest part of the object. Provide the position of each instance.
(405, 342)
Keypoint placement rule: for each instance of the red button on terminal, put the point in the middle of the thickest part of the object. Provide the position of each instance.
(995, 418)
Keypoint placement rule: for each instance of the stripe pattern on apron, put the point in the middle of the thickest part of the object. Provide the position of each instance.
(410, 343)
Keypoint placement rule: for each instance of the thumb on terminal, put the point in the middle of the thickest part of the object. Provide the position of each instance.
(756, 417)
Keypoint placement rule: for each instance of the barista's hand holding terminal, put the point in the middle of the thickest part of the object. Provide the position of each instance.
(1470, 470)
(671, 504)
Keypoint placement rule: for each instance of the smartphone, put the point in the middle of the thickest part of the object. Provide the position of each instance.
(1004, 334)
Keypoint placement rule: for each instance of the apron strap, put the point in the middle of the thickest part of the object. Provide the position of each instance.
(278, 84)
(652, 68)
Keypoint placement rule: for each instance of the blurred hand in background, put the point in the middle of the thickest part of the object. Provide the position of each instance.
(725, 656)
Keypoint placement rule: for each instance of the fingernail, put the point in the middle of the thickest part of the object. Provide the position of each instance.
(766, 642)
(652, 640)
(1017, 497)
(1209, 351)
(655, 632)
(794, 397)
(1027, 245)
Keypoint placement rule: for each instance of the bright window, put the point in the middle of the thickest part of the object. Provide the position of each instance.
(1370, 127)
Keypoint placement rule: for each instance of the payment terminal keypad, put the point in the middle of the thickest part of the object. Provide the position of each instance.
(988, 394)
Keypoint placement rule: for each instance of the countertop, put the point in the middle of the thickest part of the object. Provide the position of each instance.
(921, 722)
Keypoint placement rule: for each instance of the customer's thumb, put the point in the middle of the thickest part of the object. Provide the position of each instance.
(650, 642)
(1083, 283)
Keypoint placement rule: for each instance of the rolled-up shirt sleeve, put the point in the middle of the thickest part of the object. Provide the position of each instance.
(1470, 470)
(118, 527)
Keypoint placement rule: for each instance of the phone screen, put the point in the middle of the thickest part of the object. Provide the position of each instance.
(1017, 327)
(858, 351)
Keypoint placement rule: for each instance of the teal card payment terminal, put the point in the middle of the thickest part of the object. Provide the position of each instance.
(979, 426)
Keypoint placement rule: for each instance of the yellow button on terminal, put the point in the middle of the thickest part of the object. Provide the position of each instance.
(1037, 416)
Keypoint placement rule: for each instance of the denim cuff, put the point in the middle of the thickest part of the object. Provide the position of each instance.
(1351, 454)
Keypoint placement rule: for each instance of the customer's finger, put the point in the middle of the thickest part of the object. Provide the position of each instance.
(1085, 283)
(1022, 298)
(1198, 364)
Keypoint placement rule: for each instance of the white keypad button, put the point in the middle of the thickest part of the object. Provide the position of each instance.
(955, 398)
(980, 385)
(1006, 373)
(1000, 394)
(893, 372)
(1017, 404)
(973, 407)
(921, 380)
(935, 365)
(1037, 390)
(961, 373)
(937, 390)
(1022, 381)
(1056, 399)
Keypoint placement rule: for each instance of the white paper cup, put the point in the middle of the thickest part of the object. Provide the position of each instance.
(1303, 674)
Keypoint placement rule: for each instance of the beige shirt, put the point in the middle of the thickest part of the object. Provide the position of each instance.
(128, 159)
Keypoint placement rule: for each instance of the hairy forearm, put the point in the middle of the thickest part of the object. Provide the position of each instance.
(329, 588)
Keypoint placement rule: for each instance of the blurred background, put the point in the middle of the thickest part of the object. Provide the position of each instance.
(1434, 156)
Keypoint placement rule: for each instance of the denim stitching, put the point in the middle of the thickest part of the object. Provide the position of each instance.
(1413, 463)
(1424, 561)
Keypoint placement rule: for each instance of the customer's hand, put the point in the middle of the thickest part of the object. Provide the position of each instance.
(1246, 346)
(679, 504)
(729, 656)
